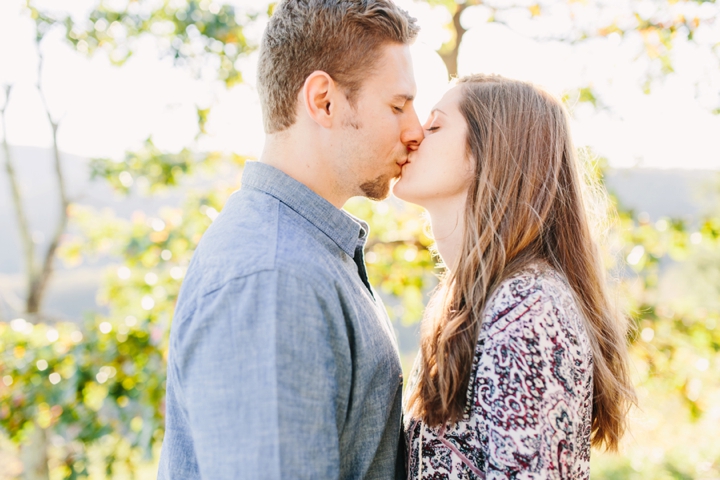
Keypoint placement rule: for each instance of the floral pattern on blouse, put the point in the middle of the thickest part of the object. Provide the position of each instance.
(530, 396)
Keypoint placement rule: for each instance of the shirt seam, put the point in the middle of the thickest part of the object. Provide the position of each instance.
(314, 222)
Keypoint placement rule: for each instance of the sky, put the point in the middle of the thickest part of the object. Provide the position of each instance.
(106, 110)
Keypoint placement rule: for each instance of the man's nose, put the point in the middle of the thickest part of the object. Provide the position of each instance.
(412, 135)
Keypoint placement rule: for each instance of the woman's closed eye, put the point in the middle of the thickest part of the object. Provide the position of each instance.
(432, 129)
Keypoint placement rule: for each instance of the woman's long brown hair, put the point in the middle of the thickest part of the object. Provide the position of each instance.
(526, 204)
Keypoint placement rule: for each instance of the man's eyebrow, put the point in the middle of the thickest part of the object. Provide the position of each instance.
(404, 96)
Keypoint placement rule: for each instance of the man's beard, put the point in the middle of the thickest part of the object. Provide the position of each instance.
(377, 189)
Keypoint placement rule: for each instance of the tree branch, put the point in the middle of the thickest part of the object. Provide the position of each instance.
(395, 243)
(39, 285)
(23, 224)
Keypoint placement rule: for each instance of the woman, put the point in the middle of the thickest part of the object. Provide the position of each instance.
(522, 362)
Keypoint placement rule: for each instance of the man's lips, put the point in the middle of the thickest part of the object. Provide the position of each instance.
(404, 161)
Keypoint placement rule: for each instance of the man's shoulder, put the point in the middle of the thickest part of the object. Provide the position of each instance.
(242, 239)
(257, 233)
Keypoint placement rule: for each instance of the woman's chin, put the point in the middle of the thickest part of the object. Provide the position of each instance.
(401, 191)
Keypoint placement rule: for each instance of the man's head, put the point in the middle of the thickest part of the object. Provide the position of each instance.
(341, 71)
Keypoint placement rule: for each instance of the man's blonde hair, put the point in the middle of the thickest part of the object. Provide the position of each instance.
(339, 37)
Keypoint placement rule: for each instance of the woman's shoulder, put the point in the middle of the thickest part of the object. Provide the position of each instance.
(536, 291)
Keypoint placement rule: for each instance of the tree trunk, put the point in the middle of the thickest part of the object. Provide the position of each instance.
(22, 219)
(39, 284)
(33, 454)
(449, 51)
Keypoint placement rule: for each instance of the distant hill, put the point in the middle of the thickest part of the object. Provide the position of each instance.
(665, 193)
(677, 193)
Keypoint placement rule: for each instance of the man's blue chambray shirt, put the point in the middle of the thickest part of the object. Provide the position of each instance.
(283, 363)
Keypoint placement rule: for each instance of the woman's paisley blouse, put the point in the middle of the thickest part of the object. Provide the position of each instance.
(530, 395)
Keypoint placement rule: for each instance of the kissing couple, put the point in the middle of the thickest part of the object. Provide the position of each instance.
(283, 363)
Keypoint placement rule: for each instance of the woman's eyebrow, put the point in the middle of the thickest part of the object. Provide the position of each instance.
(437, 110)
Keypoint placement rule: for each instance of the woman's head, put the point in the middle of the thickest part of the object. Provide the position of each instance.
(439, 171)
(488, 136)
(523, 202)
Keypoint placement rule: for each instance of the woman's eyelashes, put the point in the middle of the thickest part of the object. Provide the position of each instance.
(432, 126)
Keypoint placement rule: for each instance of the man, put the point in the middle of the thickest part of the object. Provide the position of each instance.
(283, 363)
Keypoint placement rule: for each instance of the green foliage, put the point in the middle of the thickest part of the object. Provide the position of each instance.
(156, 170)
(675, 353)
(81, 383)
(110, 371)
(98, 385)
(193, 33)
(657, 25)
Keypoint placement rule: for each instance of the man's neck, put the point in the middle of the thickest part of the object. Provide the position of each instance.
(303, 163)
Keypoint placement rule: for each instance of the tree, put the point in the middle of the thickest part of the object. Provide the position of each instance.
(90, 384)
(657, 26)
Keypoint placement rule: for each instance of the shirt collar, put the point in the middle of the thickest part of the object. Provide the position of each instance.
(347, 231)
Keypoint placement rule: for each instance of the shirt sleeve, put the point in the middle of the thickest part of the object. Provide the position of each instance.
(524, 389)
(264, 367)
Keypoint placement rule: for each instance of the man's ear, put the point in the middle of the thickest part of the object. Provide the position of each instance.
(318, 96)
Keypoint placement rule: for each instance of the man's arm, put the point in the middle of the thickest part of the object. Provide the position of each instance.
(263, 370)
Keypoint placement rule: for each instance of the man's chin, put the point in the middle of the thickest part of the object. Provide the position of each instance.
(379, 188)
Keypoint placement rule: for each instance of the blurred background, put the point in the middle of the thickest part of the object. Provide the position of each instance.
(125, 126)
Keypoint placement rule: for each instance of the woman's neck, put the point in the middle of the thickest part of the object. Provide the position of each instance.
(448, 223)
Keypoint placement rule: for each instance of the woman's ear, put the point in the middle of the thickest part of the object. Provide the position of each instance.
(318, 94)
